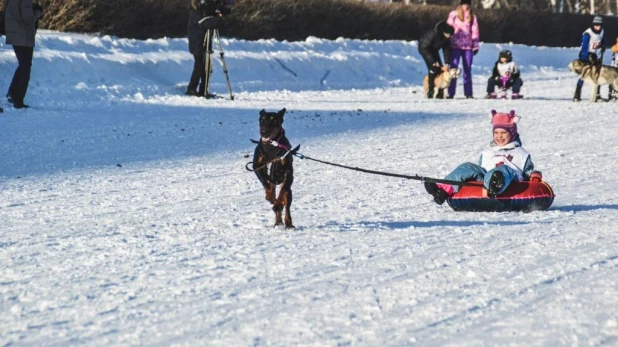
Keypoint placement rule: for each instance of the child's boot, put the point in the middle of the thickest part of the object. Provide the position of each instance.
(495, 183)
(439, 195)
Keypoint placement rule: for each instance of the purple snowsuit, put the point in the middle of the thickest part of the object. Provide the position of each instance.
(464, 43)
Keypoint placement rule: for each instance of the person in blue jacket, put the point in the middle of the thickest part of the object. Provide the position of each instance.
(592, 42)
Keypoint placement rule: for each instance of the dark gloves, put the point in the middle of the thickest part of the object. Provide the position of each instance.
(536, 176)
(435, 70)
(474, 51)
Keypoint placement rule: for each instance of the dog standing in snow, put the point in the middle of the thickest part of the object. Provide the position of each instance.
(441, 81)
(272, 162)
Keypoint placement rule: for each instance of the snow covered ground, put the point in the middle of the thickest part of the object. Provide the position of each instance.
(127, 216)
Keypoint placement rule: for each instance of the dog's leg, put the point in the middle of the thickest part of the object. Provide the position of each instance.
(287, 201)
(284, 200)
(270, 193)
(278, 219)
(262, 174)
(278, 207)
(593, 95)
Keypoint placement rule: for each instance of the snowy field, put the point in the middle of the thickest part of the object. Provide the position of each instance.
(127, 216)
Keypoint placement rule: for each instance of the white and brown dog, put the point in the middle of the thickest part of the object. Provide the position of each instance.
(441, 81)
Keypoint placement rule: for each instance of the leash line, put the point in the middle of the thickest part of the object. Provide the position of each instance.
(390, 174)
(294, 152)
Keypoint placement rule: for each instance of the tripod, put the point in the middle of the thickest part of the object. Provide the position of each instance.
(208, 60)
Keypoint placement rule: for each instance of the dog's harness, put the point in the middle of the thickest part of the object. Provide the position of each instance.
(274, 143)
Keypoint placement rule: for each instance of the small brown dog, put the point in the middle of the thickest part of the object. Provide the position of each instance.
(441, 81)
(272, 166)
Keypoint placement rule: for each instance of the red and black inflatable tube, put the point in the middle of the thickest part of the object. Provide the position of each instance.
(519, 196)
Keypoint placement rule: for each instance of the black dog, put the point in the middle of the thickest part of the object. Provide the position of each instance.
(270, 168)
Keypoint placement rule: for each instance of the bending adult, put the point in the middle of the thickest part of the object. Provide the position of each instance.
(20, 22)
(464, 43)
(429, 46)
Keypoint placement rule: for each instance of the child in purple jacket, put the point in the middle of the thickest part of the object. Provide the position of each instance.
(464, 44)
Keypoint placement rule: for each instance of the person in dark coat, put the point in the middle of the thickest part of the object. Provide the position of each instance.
(196, 30)
(429, 47)
(20, 23)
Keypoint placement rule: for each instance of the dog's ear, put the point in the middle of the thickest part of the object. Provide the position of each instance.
(263, 112)
(281, 113)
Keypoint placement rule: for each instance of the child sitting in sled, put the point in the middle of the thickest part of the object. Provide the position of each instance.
(505, 75)
(504, 162)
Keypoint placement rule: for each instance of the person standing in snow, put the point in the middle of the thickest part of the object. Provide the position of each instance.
(20, 23)
(429, 47)
(196, 31)
(465, 44)
(504, 162)
(505, 75)
(592, 43)
(196, 47)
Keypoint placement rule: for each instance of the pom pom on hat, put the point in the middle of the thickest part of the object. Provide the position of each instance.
(506, 121)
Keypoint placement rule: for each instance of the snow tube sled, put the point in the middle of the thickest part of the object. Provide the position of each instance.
(519, 196)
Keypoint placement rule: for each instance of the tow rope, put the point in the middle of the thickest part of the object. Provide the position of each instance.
(294, 152)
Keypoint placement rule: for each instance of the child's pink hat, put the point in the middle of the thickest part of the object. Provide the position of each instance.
(506, 121)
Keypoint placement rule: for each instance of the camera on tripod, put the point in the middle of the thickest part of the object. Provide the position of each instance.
(212, 9)
(212, 12)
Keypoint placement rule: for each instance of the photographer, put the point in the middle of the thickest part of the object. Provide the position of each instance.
(203, 16)
(21, 21)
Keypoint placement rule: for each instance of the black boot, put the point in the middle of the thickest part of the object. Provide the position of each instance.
(191, 92)
(612, 93)
(439, 195)
(432, 84)
(495, 183)
(578, 93)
